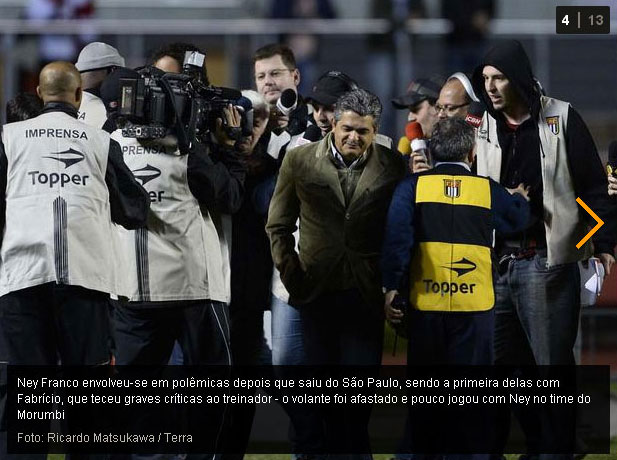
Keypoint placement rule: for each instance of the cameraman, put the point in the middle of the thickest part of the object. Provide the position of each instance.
(177, 265)
(175, 276)
(170, 57)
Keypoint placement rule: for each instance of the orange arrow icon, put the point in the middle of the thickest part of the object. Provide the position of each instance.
(599, 224)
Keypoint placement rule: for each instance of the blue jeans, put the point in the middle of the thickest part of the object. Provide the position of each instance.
(287, 345)
(536, 313)
(288, 350)
(536, 322)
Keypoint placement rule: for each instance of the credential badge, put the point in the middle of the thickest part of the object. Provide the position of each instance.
(553, 124)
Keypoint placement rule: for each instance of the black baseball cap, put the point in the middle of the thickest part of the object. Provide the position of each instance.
(330, 86)
(418, 91)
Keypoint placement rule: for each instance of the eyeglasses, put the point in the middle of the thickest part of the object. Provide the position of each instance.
(274, 74)
(449, 108)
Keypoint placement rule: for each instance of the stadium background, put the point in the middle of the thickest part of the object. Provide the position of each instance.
(581, 69)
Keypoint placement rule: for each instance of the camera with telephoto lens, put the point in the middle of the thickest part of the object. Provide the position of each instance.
(160, 103)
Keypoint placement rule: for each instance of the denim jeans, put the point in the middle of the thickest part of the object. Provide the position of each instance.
(288, 350)
(536, 322)
(287, 345)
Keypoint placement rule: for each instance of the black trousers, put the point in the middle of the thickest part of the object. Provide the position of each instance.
(49, 324)
(448, 339)
(145, 336)
(341, 329)
(52, 323)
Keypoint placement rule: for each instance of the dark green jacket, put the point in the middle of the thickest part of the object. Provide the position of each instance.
(331, 234)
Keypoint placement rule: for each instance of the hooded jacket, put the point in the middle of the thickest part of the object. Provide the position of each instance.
(523, 155)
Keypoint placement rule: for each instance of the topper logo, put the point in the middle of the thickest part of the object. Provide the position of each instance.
(462, 266)
(146, 174)
(68, 157)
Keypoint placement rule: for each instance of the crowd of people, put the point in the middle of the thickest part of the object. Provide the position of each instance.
(146, 254)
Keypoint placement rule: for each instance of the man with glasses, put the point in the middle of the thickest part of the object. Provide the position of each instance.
(95, 61)
(275, 71)
(455, 97)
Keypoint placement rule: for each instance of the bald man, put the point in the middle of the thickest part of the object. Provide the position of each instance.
(455, 97)
(60, 181)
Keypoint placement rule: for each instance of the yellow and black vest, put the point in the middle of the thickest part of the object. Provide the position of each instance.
(451, 268)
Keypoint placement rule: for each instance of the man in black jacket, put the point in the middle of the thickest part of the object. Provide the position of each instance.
(543, 143)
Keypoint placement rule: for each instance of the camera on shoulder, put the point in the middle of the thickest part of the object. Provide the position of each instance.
(157, 103)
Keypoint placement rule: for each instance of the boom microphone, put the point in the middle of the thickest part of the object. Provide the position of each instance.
(287, 102)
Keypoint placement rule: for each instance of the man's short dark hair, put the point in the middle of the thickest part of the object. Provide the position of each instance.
(273, 49)
(452, 140)
(23, 107)
(360, 101)
(177, 50)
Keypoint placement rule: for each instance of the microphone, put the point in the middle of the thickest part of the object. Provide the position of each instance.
(287, 102)
(611, 167)
(413, 132)
(403, 146)
(475, 114)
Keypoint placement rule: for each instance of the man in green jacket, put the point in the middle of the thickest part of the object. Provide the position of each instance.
(340, 188)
